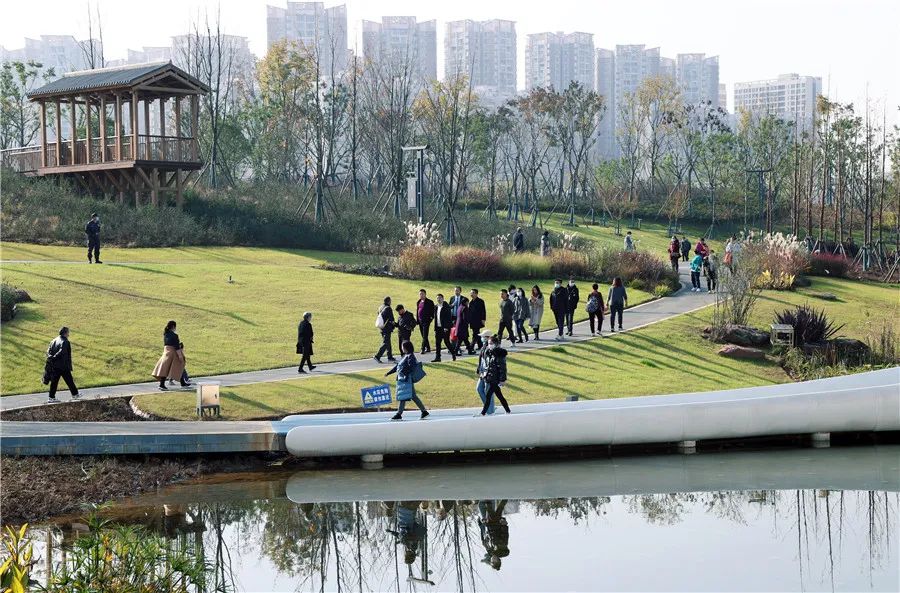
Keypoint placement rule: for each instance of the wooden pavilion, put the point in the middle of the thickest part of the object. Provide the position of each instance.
(111, 132)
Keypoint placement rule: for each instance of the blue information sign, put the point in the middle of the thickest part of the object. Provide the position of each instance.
(377, 395)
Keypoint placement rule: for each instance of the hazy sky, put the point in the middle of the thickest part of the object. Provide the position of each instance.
(851, 44)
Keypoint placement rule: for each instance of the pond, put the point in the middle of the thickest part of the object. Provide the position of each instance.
(807, 519)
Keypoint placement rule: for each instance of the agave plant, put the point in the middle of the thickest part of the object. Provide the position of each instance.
(810, 326)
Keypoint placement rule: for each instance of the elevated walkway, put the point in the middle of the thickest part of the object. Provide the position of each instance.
(855, 403)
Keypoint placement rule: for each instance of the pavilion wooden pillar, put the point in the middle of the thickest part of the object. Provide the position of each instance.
(154, 186)
(134, 125)
(118, 119)
(179, 189)
(149, 154)
(177, 100)
(88, 144)
(43, 133)
(74, 129)
(103, 129)
(162, 128)
(195, 125)
(58, 132)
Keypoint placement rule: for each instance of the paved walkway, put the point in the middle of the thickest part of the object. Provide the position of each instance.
(684, 301)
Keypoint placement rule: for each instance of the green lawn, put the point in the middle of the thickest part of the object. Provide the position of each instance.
(652, 236)
(117, 312)
(669, 357)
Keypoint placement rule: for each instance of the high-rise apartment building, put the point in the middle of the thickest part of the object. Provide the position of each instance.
(402, 38)
(605, 84)
(556, 59)
(485, 51)
(723, 96)
(312, 25)
(790, 96)
(63, 53)
(698, 78)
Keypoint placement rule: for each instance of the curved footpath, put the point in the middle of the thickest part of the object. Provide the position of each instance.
(683, 301)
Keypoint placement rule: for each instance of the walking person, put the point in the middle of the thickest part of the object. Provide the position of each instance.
(732, 249)
(477, 318)
(494, 374)
(454, 302)
(594, 309)
(384, 321)
(517, 310)
(573, 299)
(305, 342)
(559, 304)
(480, 385)
(59, 365)
(711, 271)
(507, 313)
(424, 316)
(685, 248)
(702, 249)
(536, 306)
(674, 253)
(545, 244)
(629, 242)
(406, 324)
(409, 372)
(522, 313)
(92, 230)
(617, 300)
(172, 362)
(696, 268)
(442, 324)
(461, 329)
(519, 241)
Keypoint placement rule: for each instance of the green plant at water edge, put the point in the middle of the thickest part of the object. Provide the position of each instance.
(810, 326)
(885, 346)
(126, 559)
(15, 569)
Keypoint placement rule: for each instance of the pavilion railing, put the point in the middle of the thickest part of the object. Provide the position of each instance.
(149, 148)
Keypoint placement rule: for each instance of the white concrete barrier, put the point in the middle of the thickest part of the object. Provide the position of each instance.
(863, 402)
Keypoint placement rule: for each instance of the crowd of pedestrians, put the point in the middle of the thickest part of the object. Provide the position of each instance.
(705, 262)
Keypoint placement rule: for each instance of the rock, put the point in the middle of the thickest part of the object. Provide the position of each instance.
(802, 281)
(743, 335)
(825, 296)
(741, 352)
(840, 350)
(22, 296)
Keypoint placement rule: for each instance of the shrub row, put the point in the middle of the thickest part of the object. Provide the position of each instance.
(837, 266)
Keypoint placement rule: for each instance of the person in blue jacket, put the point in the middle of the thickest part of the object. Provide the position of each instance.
(406, 388)
(696, 268)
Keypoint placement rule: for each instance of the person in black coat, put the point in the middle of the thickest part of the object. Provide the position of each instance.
(494, 374)
(519, 241)
(305, 342)
(92, 230)
(572, 305)
(424, 316)
(387, 325)
(406, 323)
(59, 365)
(559, 304)
(477, 318)
(443, 321)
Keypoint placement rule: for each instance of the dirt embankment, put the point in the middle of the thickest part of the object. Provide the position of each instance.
(35, 488)
(103, 410)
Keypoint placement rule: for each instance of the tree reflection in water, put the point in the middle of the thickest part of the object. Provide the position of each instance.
(413, 545)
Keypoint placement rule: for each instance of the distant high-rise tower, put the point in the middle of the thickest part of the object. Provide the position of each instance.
(556, 59)
(790, 96)
(605, 85)
(63, 53)
(723, 96)
(312, 25)
(402, 38)
(698, 78)
(486, 51)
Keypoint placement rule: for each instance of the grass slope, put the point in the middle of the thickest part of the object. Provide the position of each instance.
(668, 357)
(116, 312)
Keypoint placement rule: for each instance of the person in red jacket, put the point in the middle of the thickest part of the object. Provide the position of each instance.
(702, 249)
(674, 252)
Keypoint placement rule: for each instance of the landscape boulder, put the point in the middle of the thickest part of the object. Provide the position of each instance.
(22, 296)
(825, 296)
(840, 350)
(741, 352)
(743, 335)
(802, 281)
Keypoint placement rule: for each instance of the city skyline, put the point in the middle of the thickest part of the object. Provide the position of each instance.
(786, 48)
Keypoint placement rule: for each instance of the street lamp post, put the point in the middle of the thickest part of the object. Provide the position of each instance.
(420, 179)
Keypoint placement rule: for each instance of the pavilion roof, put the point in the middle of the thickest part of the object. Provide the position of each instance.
(123, 77)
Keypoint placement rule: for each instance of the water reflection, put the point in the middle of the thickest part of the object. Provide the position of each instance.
(770, 538)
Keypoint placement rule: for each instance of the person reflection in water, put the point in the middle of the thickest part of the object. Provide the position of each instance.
(494, 532)
(410, 531)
